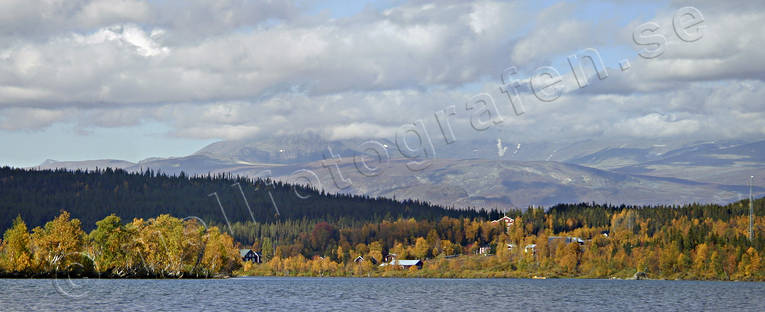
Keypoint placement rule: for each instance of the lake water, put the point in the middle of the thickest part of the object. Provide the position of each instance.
(367, 294)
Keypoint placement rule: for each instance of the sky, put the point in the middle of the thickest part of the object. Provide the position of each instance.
(132, 79)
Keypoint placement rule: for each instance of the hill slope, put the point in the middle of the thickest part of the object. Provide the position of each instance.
(90, 196)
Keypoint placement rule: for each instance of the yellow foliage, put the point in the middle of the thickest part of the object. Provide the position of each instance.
(15, 255)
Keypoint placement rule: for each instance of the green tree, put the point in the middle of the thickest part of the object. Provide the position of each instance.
(108, 243)
(268, 249)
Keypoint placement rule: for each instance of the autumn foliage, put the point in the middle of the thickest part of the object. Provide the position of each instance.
(704, 242)
(159, 247)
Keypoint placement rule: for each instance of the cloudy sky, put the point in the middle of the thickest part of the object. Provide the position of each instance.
(130, 79)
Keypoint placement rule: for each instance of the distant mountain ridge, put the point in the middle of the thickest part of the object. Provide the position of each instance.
(713, 172)
(86, 165)
(282, 150)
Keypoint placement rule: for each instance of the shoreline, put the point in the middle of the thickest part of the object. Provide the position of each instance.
(366, 277)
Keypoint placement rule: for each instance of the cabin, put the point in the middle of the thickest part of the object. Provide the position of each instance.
(249, 255)
(405, 264)
(361, 259)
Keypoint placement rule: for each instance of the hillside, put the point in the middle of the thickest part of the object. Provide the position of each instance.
(518, 184)
(38, 196)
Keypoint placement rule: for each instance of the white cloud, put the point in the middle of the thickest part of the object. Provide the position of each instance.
(360, 130)
(225, 132)
(234, 69)
(103, 12)
(128, 35)
(657, 125)
(29, 118)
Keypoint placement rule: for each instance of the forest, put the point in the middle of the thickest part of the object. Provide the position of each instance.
(39, 195)
(708, 242)
(588, 240)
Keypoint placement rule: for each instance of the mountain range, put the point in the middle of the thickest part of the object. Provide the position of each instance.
(485, 173)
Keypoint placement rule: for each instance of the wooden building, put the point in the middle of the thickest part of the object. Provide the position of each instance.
(361, 259)
(507, 221)
(249, 255)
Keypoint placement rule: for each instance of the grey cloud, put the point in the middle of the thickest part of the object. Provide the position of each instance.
(31, 119)
(43, 19)
(221, 70)
(137, 64)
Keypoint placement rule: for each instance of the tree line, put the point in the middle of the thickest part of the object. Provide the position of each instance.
(157, 247)
(321, 234)
(39, 195)
(669, 242)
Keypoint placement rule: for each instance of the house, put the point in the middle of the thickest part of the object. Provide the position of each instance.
(507, 220)
(511, 246)
(484, 250)
(530, 248)
(361, 259)
(565, 239)
(405, 264)
(389, 257)
(249, 255)
(605, 233)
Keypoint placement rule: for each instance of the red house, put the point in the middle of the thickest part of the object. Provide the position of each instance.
(508, 221)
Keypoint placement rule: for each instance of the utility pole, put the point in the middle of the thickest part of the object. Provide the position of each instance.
(751, 209)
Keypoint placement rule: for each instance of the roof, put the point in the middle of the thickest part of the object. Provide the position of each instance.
(403, 262)
(567, 239)
(505, 218)
(244, 252)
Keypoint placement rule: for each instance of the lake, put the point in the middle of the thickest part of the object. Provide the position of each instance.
(366, 294)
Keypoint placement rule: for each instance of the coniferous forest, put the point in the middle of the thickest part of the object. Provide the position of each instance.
(119, 226)
(39, 195)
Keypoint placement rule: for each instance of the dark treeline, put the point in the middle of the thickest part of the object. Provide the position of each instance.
(568, 217)
(40, 195)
